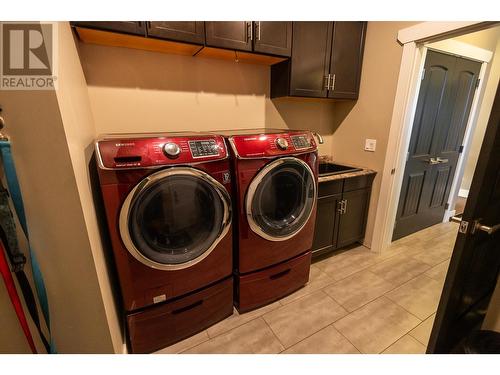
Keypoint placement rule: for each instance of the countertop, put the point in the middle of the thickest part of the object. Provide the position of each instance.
(341, 176)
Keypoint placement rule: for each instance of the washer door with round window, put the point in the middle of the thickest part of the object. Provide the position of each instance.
(174, 218)
(280, 199)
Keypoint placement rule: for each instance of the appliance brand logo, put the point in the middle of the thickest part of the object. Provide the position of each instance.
(28, 58)
(125, 144)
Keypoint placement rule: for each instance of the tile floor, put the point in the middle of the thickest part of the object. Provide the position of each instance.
(355, 302)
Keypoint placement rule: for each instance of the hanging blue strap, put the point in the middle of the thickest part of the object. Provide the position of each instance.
(17, 199)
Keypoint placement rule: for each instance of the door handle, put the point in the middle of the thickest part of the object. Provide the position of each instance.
(432, 161)
(332, 86)
(327, 78)
(250, 30)
(485, 228)
(441, 160)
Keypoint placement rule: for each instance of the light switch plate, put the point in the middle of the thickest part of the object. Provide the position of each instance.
(370, 145)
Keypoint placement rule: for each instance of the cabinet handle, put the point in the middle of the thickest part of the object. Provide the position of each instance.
(280, 274)
(258, 30)
(345, 205)
(327, 81)
(188, 307)
(332, 87)
(250, 30)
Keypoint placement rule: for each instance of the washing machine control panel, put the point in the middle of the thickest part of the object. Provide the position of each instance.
(121, 152)
(269, 145)
(203, 148)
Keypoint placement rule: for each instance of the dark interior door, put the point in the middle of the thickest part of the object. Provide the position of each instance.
(312, 43)
(346, 59)
(183, 31)
(229, 34)
(274, 37)
(475, 263)
(443, 108)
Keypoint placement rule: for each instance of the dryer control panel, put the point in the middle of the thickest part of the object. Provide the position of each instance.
(267, 144)
(149, 151)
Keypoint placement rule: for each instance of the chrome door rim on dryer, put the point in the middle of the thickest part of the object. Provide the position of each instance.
(124, 218)
(252, 188)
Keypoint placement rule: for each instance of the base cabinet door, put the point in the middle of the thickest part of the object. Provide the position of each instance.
(229, 34)
(346, 59)
(352, 220)
(326, 223)
(182, 31)
(273, 37)
(129, 27)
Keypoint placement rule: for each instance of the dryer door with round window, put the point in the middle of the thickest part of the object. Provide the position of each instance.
(174, 218)
(280, 199)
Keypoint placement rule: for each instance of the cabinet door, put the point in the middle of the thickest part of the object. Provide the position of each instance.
(312, 43)
(273, 37)
(325, 229)
(185, 31)
(129, 27)
(346, 59)
(352, 223)
(231, 35)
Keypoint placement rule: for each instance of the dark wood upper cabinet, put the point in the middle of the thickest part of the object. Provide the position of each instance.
(346, 59)
(182, 31)
(273, 37)
(310, 59)
(326, 61)
(229, 34)
(128, 27)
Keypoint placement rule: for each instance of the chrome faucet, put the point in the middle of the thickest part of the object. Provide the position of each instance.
(320, 138)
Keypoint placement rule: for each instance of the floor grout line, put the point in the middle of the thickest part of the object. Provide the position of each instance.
(441, 236)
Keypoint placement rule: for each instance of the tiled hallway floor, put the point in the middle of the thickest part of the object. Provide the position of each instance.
(355, 302)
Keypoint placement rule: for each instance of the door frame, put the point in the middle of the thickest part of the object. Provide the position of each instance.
(416, 40)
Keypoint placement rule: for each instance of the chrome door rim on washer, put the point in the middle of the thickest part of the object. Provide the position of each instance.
(253, 187)
(145, 183)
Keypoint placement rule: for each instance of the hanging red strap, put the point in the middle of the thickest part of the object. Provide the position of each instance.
(14, 297)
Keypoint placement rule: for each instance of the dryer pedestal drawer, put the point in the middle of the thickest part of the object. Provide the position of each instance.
(159, 326)
(262, 287)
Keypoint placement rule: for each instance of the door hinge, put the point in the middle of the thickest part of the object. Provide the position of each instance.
(423, 75)
(446, 206)
(393, 170)
(461, 149)
(408, 156)
(477, 82)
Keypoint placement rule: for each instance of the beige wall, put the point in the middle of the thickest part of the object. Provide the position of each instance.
(46, 153)
(490, 40)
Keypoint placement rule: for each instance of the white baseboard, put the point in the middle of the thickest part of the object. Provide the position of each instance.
(464, 193)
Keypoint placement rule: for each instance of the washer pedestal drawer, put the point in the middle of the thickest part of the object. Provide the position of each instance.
(159, 326)
(262, 287)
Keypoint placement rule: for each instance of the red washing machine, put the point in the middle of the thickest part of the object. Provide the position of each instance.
(168, 206)
(275, 176)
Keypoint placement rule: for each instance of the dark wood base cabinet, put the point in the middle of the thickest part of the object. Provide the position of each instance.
(341, 213)
(262, 287)
(163, 325)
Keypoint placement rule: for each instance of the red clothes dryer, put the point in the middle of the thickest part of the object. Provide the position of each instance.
(168, 207)
(275, 184)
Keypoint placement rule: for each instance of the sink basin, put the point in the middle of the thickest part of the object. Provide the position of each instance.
(327, 169)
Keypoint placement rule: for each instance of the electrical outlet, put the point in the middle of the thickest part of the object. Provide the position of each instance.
(370, 145)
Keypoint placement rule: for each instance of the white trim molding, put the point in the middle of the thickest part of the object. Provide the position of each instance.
(463, 193)
(412, 63)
